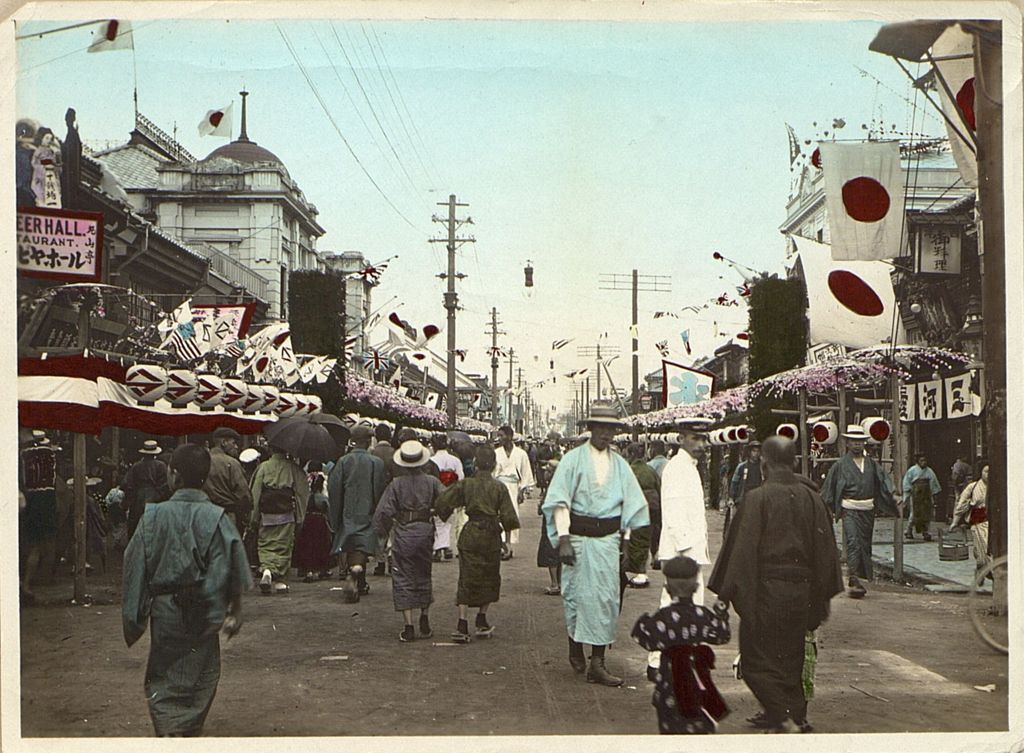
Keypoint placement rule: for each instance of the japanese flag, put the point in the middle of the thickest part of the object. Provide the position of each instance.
(864, 184)
(216, 123)
(850, 303)
(959, 76)
(113, 35)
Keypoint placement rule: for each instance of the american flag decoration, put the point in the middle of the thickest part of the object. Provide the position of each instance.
(558, 344)
(374, 360)
(184, 343)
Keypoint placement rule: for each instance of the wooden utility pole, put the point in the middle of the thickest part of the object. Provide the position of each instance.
(81, 469)
(508, 399)
(636, 282)
(494, 364)
(597, 352)
(451, 298)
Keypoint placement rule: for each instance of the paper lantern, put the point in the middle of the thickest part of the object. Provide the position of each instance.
(730, 435)
(254, 398)
(210, 391)
(716, 438)
(789, 431)
(742, 433)
(825, 432)
(877, 428)
(285, 407)
(181, 387)
(236, 394)
(316, 405)
(147, 382)
(270, 397)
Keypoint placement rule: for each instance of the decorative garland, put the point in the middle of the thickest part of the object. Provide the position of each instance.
(723, 404)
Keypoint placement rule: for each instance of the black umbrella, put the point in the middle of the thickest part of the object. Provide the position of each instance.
(302, 439)
(335, 427)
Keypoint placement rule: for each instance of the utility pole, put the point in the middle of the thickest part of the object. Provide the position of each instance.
(511, 360)
(636, 282)
(596, 352)
(451, 298)
(519, 400)
(494, 364)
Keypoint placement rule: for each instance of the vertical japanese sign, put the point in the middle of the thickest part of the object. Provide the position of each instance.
(908, 402)
(938, 250)
(963, 396)
(929, 400)
(59, 244)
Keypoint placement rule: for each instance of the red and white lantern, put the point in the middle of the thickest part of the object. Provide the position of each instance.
(788, 431)
(210, 391)
(285, 405)
(731, 435)
(254, 397)
(825, 432)
(270, 397)
(147, 382)
(181, 387)
(742, 433)
(316, 405)
(301, 404)
(877, 429)
(236, 394)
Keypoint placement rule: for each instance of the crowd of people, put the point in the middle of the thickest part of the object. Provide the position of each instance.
(215, 520)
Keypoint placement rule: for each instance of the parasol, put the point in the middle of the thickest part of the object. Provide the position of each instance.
(302, 439)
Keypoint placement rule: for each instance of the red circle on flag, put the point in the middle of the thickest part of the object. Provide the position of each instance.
(865, 199)
(215, 118)
(816, 158)
(855, 294)
(742, 336)
(965, 98)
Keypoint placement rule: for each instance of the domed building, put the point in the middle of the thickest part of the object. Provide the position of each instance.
(238, 205)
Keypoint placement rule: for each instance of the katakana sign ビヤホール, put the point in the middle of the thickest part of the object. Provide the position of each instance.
(59, 244)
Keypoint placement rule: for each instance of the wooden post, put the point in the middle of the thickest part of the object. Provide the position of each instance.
(80, 469)
(842, 451)
(897, 471)
(805, 441)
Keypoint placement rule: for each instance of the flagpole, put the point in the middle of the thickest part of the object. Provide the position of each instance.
(135, 81)
(54, 31)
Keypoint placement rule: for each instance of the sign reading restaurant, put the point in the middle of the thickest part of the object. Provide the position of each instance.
(60, 244)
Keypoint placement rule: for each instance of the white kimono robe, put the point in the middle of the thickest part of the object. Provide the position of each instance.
(684, 526)
(514, 471)
(443, 529)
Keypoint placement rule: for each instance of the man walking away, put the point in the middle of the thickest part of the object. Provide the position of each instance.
(184, 571)
(514, 471)
(226, 485)
(449, 470)
(145, 482)
(280, 493)
(779, 567)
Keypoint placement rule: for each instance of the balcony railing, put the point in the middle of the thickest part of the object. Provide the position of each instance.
(232, 270)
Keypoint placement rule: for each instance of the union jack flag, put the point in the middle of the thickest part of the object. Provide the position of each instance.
(371, 273)
(374, 360)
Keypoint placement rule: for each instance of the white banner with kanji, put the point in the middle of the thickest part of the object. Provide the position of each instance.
(929, 400)
(908, 402)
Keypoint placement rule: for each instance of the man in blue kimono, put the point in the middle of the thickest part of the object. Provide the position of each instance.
(854, 488)
(592, 498)
(184, 571)
(920, 487)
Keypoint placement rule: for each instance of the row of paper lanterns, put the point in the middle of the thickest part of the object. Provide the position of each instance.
(876, 428)
(182, 387)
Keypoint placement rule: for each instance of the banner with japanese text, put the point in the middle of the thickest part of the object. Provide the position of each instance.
(938, 250)
(60, 244)
(929, 400)
(908, 402)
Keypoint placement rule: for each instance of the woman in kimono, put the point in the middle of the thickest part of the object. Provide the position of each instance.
(972, 511)
(407, 504)
(489, 511)
(280, 493)
(184, 573)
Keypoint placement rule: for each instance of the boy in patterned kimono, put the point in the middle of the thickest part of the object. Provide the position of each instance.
(685, 696)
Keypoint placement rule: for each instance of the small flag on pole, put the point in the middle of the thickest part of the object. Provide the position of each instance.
(113, 35)
(685, 334)
(216, 123)
(558, 344)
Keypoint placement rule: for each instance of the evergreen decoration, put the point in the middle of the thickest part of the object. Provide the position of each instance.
(778, 342)
(316, 307)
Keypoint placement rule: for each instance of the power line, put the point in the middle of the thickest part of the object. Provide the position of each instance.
(323, 105)
(412, 120)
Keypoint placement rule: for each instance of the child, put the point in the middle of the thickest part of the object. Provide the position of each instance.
(313, 543)
(489, 509)
(684, 694)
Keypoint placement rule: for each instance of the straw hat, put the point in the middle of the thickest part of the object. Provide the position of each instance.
(411, 454)
(604, 414)
(695, 425)
(856, 431)
(150, 447)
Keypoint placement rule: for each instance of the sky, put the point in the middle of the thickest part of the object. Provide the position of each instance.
(584, 147)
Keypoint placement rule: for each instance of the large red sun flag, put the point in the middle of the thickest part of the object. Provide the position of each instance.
(864, 185)
(216, 123)
(850, 303)
(954, 53)
(112, 35)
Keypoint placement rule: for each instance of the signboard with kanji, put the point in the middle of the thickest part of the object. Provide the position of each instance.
(938, 250)
(220, 325)
(823, 352)
(60, 244)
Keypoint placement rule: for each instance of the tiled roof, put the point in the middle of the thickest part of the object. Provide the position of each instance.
(133, 164)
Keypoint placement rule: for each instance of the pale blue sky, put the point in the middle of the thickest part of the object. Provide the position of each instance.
(586, 147)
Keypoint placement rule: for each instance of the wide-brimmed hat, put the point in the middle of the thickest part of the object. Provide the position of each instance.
(226, 432)
(411, 454)
(604, 414)
(695, 425)
(150, 447)
(856, 431)
(248, 455)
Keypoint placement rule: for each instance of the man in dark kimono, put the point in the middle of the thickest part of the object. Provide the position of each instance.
(145, 482)
(184, 571)
(779, 568)
(353, 490)
(855, 488)
(489, 511)
(226, 485)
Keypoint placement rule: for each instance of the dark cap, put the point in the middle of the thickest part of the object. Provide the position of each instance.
(361, 433)
(680, 568)
(226, 432)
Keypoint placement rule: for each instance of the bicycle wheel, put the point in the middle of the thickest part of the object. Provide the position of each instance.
(990, 622)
